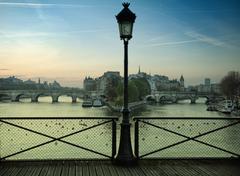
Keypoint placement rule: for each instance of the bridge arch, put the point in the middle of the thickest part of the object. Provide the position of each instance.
(35, 97)
(5, 97)
(187, 97)
(150, 98)
(165, 98)
(17, 97)
(203, 97)
(72, 97)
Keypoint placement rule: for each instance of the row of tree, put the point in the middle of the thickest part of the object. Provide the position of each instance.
(138, 88)
(230, 85)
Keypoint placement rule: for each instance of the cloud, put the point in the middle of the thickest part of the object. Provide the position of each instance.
(172, 43)
(40, 5)
(44, 34)
(162, 36)
(8, 75)
(4, 69)
(22, 34)
(205, 39)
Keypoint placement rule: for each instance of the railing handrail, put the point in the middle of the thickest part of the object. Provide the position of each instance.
(184, 118)
(141, 119)
(107, 119)
(61, 118)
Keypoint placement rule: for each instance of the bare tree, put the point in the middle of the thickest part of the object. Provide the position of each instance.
(230, 85)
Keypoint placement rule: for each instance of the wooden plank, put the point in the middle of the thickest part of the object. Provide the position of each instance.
(120, 171)
(4, 170)
(221, 168)
(154, 171)
(12, 170)
(58, 169)
(72, 169)
(147, 171)
(168, 170)
(85, 169)
(138, 172)
(23, 171)
(195, 166)
(44, 170)
(133, 172)
(184, 167)
(79, 170)
(65, 169)
(112, 169)
(30, 171)
(98, 169)
(178, 169)
(199, 167)
(51, 170)
(37, 170)
(105, 169)
(93, 168)
(126, 171)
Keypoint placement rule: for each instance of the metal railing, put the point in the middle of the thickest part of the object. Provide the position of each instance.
(57, 138)
(172, 137)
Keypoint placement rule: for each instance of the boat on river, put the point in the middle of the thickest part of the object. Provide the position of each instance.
(97, 103)
(87, 103)
(225, 106)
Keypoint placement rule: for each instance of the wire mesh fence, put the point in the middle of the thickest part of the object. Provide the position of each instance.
(187, 137)
(57, 138)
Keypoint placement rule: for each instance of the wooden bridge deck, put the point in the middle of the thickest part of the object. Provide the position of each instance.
(106, 168)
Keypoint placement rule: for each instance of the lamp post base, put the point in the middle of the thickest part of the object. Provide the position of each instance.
(125, 155)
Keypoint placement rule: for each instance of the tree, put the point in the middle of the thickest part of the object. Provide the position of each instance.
(230, 85)
(111, 90)
(133, 93)
(143, 87)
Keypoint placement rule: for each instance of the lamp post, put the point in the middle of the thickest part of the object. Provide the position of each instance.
(125, 20)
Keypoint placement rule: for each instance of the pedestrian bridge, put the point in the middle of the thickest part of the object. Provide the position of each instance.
(175, 96)
(15, 95)
(72, 146)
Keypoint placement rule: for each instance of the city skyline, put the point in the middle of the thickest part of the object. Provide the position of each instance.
(55, 40)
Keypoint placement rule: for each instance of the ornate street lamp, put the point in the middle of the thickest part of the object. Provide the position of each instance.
(125, 20)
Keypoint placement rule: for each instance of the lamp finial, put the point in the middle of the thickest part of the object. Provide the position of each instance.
(126, 4)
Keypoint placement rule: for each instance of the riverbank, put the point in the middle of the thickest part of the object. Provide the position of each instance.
(132, 106)
(66, 108)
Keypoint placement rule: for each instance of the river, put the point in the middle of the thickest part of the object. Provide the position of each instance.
(44, 108)
(13, 139)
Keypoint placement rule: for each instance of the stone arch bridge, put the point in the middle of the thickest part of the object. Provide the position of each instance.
(15, 95)
(174, 97)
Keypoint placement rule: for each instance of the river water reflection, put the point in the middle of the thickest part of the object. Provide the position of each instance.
(44, 108)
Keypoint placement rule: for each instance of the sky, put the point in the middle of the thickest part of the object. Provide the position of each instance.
(67, 40)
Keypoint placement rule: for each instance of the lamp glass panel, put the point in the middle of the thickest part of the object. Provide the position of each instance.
(125, 29)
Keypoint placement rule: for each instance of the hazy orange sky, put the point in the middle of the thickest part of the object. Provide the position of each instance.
(68, 40)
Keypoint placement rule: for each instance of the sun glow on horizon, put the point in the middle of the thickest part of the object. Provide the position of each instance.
(67, 42)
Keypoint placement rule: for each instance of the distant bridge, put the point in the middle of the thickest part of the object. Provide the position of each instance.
(175, 96)
(15, 95)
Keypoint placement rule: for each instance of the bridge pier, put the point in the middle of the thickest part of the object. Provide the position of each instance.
(34, 98)
(14, 98)
(55, 98)
(193, 101)
(174, 100)
(74, 99)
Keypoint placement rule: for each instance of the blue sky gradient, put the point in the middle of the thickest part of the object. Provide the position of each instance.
(68, 40)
